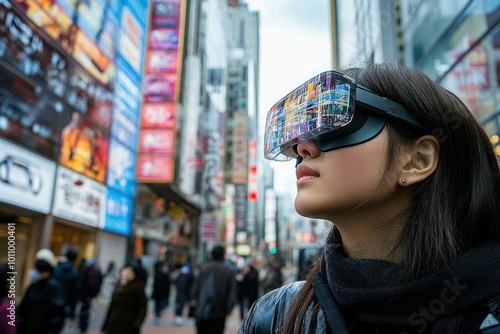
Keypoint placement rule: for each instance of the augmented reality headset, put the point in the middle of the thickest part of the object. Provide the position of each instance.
(332, 109)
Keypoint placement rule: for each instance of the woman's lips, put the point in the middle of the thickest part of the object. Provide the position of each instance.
(305, 174)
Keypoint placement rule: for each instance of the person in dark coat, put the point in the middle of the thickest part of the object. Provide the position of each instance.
(128, 306)
(90, 281)
(67, 274)
(41, 310)
(251, 283)
(183, 284)
(214, 294)
(161, 288)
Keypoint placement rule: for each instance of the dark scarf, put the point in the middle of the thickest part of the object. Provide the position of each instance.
(378, 293)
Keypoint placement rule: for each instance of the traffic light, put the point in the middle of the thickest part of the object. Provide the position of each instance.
(272, 248)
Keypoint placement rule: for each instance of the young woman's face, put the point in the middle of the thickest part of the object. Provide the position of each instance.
(343, 181)
(127, 274)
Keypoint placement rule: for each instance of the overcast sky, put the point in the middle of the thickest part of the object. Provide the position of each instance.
(295, 45)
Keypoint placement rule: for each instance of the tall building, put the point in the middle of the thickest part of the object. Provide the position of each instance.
(453, 42)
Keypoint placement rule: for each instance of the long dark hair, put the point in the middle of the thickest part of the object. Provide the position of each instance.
(458, 206)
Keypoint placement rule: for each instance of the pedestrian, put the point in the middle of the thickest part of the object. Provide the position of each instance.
(251, 283)
(41, 310)
(89, 287)
(7, 301)
(128, 307)
(183, 287)
(67, 275)
(214, 294)
(161, 289)
(411, 184)
(273, 278)
(142, 272)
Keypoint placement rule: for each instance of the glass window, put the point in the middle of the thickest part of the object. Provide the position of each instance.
(424, 22)
(471, 26)
(476, 79)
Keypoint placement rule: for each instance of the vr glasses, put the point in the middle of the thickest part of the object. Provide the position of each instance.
(332, 109)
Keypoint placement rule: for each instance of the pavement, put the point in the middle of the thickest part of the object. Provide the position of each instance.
(166, 324)
(100, 305)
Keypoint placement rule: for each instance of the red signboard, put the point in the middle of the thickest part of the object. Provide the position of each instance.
(154, 168)
(156, 115)
(156, 141)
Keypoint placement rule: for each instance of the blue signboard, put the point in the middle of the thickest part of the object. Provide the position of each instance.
(119, 209)
(121, 168)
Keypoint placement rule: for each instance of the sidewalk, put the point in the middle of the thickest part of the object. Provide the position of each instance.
(167, 323)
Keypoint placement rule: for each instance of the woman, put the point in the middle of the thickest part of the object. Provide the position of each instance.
(412, 190)
(128, 306)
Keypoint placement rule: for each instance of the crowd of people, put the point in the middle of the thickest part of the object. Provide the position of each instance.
(62, 292)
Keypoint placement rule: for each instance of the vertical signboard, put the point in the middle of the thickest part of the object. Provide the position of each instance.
(156, 149)
(239, 164)
(127, 102)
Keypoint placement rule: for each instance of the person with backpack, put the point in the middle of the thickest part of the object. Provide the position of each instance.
(90, 286)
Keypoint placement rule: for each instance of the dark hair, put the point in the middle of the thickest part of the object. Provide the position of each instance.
(71, 254)
(218, 253)
(43, 266)
(456, 207)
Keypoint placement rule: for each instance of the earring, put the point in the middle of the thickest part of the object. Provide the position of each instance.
(403, 181)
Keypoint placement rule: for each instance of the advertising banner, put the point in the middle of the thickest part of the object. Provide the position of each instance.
(158, 115)
(78, 198)
(161, 82)
(121, 168)
(26, 179)
(156, 141)
(155, 168)
(84, 148)
(119, 210)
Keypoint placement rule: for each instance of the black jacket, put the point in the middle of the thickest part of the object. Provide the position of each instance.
(127, 309)
(219, 298)
(67, 274)
(42, 309)
(269, 313)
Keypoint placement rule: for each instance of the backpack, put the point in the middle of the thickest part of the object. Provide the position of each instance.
(94, 280)
(206, 298)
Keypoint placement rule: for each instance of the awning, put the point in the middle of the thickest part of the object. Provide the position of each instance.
(171, 192)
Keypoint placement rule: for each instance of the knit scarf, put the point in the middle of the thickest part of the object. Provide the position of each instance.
(378, 293)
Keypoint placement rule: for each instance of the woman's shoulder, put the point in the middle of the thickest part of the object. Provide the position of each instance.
(268, 313)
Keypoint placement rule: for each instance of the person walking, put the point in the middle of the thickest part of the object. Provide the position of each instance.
(183, 284)
(251, 283)
(67, 275)
(214, 294)
(41, 310)
(89, 287)
(161, 289)
(410, 181)
(128, 307)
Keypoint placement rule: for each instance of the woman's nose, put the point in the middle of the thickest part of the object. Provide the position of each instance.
(308, 149)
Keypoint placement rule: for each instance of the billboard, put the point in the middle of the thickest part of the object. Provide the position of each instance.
(161, 82)
(26, 179)
(78, 198)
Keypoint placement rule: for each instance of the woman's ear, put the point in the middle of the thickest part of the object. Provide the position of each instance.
(421, 161)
